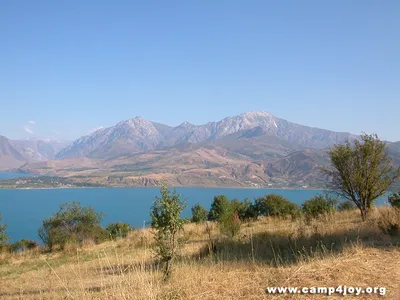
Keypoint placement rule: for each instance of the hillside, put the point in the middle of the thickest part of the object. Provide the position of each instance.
(9, 156)
(198, 165)
(340, 251)
(205, 165)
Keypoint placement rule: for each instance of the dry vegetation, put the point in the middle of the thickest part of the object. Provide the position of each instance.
(209, 166)
(338, 250)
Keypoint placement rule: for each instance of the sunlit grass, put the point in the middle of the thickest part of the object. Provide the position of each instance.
(336, 250)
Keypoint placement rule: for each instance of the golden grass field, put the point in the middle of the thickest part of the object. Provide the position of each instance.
(338, 250)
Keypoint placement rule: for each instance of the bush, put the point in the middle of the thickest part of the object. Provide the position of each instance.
(72, 224)
(346, 205)
(218, 206)
(394, 200)
(251, 211)
(23, 245)
(318, 206)
(3, 234)
(389, 221)
(199, 213)
(275, 205)
(118, 230)
(186, 220)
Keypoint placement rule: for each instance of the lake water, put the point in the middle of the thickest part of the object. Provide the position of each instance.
(24, 210)
(9, 175)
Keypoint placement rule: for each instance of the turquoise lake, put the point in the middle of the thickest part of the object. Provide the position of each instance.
(24, 210)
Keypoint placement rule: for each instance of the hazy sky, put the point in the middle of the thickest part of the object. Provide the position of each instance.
(67, 67)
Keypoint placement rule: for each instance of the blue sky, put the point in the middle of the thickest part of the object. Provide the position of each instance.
(71, 66)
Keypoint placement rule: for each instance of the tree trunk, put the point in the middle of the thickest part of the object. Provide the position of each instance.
(364, 214)
(167, 269)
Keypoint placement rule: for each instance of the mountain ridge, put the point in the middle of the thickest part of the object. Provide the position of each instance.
(253, 149)
(140, 135)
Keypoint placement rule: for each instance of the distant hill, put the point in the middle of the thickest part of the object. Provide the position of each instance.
(15, 153)
(394, 151)
(9, 156)
(38, 149)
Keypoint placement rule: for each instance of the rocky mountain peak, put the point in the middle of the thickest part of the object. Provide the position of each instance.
(186, 124)
(139, 134)
(256, 114)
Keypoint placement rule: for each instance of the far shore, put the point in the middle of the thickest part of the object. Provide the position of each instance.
(178, 186)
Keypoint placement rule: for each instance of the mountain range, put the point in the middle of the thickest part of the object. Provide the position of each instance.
(14, 153)
(251, 149)
(140, 135)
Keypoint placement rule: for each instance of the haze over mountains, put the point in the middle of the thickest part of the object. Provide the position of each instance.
(14, 153)
(251, 149)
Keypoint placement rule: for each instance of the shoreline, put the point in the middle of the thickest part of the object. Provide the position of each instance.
(144, 187)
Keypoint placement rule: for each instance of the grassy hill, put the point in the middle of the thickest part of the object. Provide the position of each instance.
(337, 250)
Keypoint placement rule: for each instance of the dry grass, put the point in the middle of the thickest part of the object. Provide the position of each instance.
(339, 250)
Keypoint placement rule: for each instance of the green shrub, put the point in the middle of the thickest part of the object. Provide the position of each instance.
(186, 220)
(275, 205)
(250, 211)
(346, 205)
(72, 224)
(318, 206)
(23, 245)
(3, 235)
(199, 213)
(394, 200)
(389, 227)
(118, 230)
(242, 207)
(389, 221)
(218, 206)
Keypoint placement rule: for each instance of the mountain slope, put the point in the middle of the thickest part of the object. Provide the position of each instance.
(175, 135)
(39, 149)
(139, 135)
(9, 156)
(134, 135)
(302, 135)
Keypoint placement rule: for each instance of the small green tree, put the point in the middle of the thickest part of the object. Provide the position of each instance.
(118, 230)
(394, 200)
(346, 205)
(218, 206)
(229, 220)
(166, 223)
(71, 224)
(361, 172)
(3, 235)
(275, 205)
(319, 206)
(199, 213)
